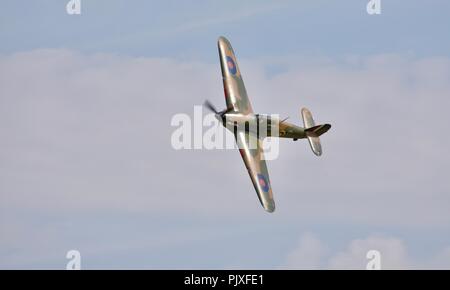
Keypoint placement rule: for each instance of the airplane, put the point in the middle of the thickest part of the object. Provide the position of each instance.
(239, 111)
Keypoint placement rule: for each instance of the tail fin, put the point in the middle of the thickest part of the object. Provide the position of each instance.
(313, 132)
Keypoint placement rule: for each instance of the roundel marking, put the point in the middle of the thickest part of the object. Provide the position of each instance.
(263, 182)
(231, 66)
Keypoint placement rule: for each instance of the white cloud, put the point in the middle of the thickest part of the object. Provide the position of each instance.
(309, 253)
(92, 131)
(393, 254)
(313, 253)
(91, 134)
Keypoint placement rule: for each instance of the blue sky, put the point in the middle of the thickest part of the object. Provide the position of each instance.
(184, 29)
(86, 162)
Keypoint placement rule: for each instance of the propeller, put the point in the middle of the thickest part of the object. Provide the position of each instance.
(213, 109)
(284, 120)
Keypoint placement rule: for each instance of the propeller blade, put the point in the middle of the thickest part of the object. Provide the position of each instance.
(210, 106)
(284, 120)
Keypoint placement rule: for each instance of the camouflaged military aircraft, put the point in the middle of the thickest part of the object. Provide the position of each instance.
(239, 111)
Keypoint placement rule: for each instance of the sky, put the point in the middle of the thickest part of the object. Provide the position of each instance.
(86, 161)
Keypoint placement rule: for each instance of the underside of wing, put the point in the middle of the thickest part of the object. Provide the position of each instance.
(256, 166)
(233, 84)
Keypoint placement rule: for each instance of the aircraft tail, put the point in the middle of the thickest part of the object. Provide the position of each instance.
(313, 131)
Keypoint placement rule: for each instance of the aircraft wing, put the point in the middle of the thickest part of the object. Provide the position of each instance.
(235, 93)
(256, 167)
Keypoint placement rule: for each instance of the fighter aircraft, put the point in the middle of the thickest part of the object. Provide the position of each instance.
(239, 112)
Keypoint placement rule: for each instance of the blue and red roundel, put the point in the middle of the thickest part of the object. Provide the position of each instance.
(231, 65)
(263, 182)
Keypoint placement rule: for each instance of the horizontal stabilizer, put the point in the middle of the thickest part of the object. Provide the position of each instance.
(318, 130)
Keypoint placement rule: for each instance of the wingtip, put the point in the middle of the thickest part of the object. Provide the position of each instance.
(270, 208)
(223, 40)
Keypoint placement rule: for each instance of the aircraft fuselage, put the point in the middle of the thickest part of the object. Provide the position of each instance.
(262, 125)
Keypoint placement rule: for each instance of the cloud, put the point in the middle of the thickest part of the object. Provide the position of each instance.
(392, 251)
(90, 135)
(441, 260)
(309, 253)
(312, 253)
(90, 131)
(231, 16)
